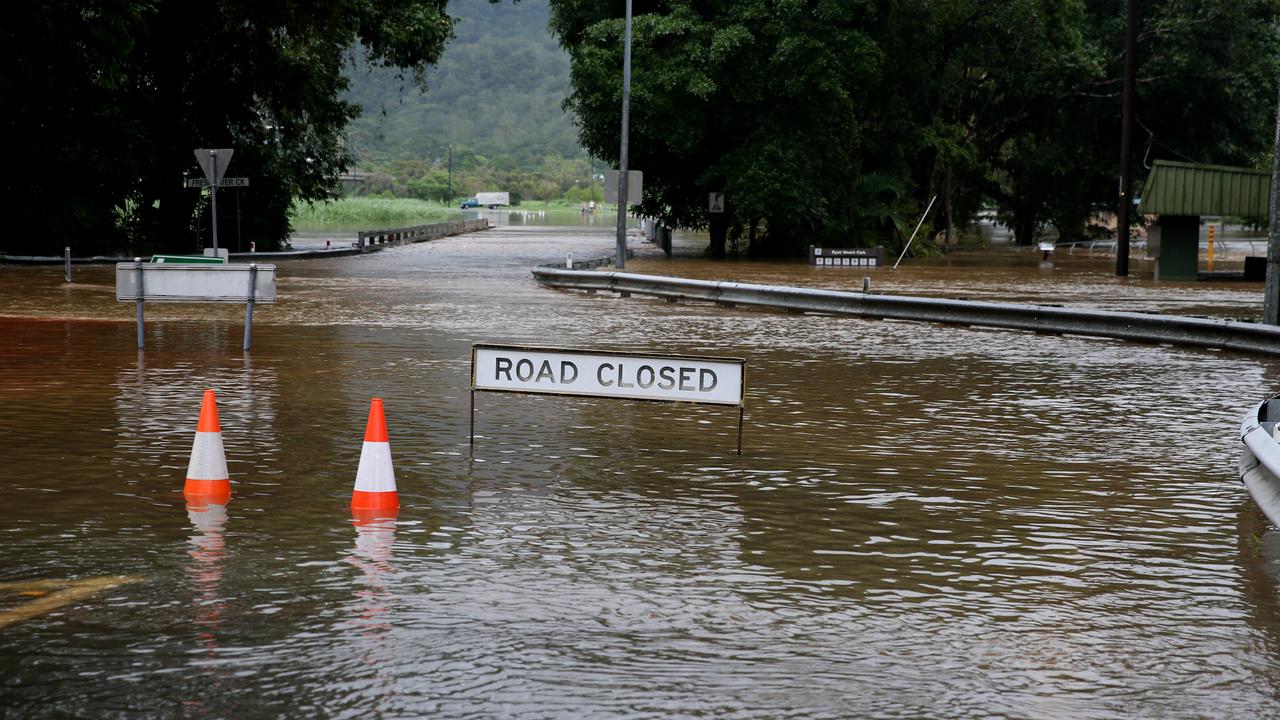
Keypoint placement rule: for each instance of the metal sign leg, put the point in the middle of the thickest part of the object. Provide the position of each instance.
(137, 268)
(741, 412)
(248, 308)
(472, 433)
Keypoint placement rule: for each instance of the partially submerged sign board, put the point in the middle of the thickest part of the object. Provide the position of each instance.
(630, 376)
(165, 282)
(846, 257)
(183, 282)
(214, 162)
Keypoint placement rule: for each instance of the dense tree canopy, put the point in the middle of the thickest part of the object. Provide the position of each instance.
(108, 99)
(829, 121)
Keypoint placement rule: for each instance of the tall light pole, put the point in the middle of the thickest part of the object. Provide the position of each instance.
(1271, 290)
(621, 260)
(1126, 135)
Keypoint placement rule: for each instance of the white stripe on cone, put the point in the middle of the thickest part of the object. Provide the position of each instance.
(375, 473)
(208, 461)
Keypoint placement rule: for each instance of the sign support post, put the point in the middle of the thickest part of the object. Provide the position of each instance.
(248, 306)
(137, 269)
(208, 159)
(213, 196)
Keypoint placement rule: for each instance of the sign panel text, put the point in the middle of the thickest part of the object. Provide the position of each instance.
(638, 376)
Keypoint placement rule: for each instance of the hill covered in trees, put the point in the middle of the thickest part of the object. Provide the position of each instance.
(494, 97)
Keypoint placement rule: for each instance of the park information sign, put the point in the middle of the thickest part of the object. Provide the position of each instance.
(846, 257)
(630, 376)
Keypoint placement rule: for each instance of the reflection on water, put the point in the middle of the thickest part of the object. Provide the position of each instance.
(926, 521)
(208, 550)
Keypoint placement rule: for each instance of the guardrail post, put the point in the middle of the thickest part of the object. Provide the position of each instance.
(67, 254)
(137, 269)
(248, 308)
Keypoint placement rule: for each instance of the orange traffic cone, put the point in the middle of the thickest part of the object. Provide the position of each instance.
(207, 478)
(375, 479)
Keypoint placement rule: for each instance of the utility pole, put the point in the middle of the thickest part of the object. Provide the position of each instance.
(621, 260)
(1271, 291)
(1126, 137)
(450, 200)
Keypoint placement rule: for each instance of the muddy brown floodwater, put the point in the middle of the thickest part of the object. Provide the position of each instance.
(926, 522)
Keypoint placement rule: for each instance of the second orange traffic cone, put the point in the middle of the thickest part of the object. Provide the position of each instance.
(375, 479)
(207, 478)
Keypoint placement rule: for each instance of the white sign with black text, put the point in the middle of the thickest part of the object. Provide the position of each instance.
(638, 376)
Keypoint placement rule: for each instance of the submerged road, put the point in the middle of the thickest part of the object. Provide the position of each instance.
(926, 521)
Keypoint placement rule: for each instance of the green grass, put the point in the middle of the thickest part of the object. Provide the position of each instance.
(374, 213)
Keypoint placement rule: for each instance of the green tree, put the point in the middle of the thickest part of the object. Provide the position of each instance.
(753, 98)
(124, 91)
(786, 105)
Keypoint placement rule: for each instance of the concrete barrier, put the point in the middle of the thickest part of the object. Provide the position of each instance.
(1225, 334)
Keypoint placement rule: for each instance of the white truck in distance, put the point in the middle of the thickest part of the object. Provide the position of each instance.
(488, 199)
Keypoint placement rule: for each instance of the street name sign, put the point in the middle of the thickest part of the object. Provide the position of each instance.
(623, 375)
(224, 182)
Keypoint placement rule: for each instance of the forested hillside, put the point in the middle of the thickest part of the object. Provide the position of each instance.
(494, 96)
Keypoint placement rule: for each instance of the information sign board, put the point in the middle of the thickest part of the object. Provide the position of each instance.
(846, 257)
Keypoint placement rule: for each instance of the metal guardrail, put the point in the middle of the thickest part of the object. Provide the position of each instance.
(571, 264)
(1260, 462)
(418, 233)
(1225, 334)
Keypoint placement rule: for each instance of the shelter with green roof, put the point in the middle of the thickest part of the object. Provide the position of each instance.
(1179, 193)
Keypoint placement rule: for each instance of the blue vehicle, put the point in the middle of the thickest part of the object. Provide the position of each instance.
(469, 203)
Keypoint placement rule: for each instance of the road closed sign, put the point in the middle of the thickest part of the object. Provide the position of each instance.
(636, 376)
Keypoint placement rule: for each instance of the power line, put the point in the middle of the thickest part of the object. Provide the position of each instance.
(1151, 138)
